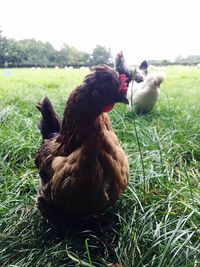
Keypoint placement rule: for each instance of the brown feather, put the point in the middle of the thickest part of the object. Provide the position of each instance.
(84, 169)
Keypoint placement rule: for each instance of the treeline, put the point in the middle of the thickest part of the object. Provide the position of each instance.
(32, 53)
(189, 60)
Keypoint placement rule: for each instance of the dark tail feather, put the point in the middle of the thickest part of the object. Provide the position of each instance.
(50, 123)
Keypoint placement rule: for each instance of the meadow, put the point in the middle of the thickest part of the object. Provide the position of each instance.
(155, 223)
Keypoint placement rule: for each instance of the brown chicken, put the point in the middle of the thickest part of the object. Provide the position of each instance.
(82, 166)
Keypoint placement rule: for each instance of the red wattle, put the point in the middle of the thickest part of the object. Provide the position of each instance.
(108, 107)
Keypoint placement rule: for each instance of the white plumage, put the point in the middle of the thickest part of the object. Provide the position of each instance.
(143, 96)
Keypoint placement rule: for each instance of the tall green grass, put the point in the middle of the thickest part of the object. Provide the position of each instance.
(155, 222)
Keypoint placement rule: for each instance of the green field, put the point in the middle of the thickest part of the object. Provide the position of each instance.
(156, 222)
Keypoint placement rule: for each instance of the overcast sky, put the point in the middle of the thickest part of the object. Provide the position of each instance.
(143, 29)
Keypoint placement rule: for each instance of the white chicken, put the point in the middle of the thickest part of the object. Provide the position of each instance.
(143, 96)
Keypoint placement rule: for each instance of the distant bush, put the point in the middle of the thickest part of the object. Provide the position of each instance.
(32, 53)
(190, 60)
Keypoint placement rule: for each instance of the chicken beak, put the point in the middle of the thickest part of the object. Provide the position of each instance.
(124, 99)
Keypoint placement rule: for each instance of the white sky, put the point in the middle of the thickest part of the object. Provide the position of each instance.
(143, 29)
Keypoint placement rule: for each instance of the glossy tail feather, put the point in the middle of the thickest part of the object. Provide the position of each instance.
(50, 122)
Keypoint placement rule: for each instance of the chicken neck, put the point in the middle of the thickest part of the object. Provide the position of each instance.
(81, 120)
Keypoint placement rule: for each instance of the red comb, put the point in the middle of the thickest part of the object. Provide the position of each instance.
(123, 79)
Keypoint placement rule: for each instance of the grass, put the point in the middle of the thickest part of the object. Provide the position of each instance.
(156, 221)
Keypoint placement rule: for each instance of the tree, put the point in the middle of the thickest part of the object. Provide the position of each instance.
(36, 53)
(29, 52)
(51, 53)
(3, 49)
(69, 55)
(101, 55)
(13, 55)
(189, 60)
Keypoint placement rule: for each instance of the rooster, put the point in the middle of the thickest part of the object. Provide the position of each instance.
(145, 95)
(82, 165)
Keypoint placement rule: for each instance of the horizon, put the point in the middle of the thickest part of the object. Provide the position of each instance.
(154, 31)
(150, 59)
